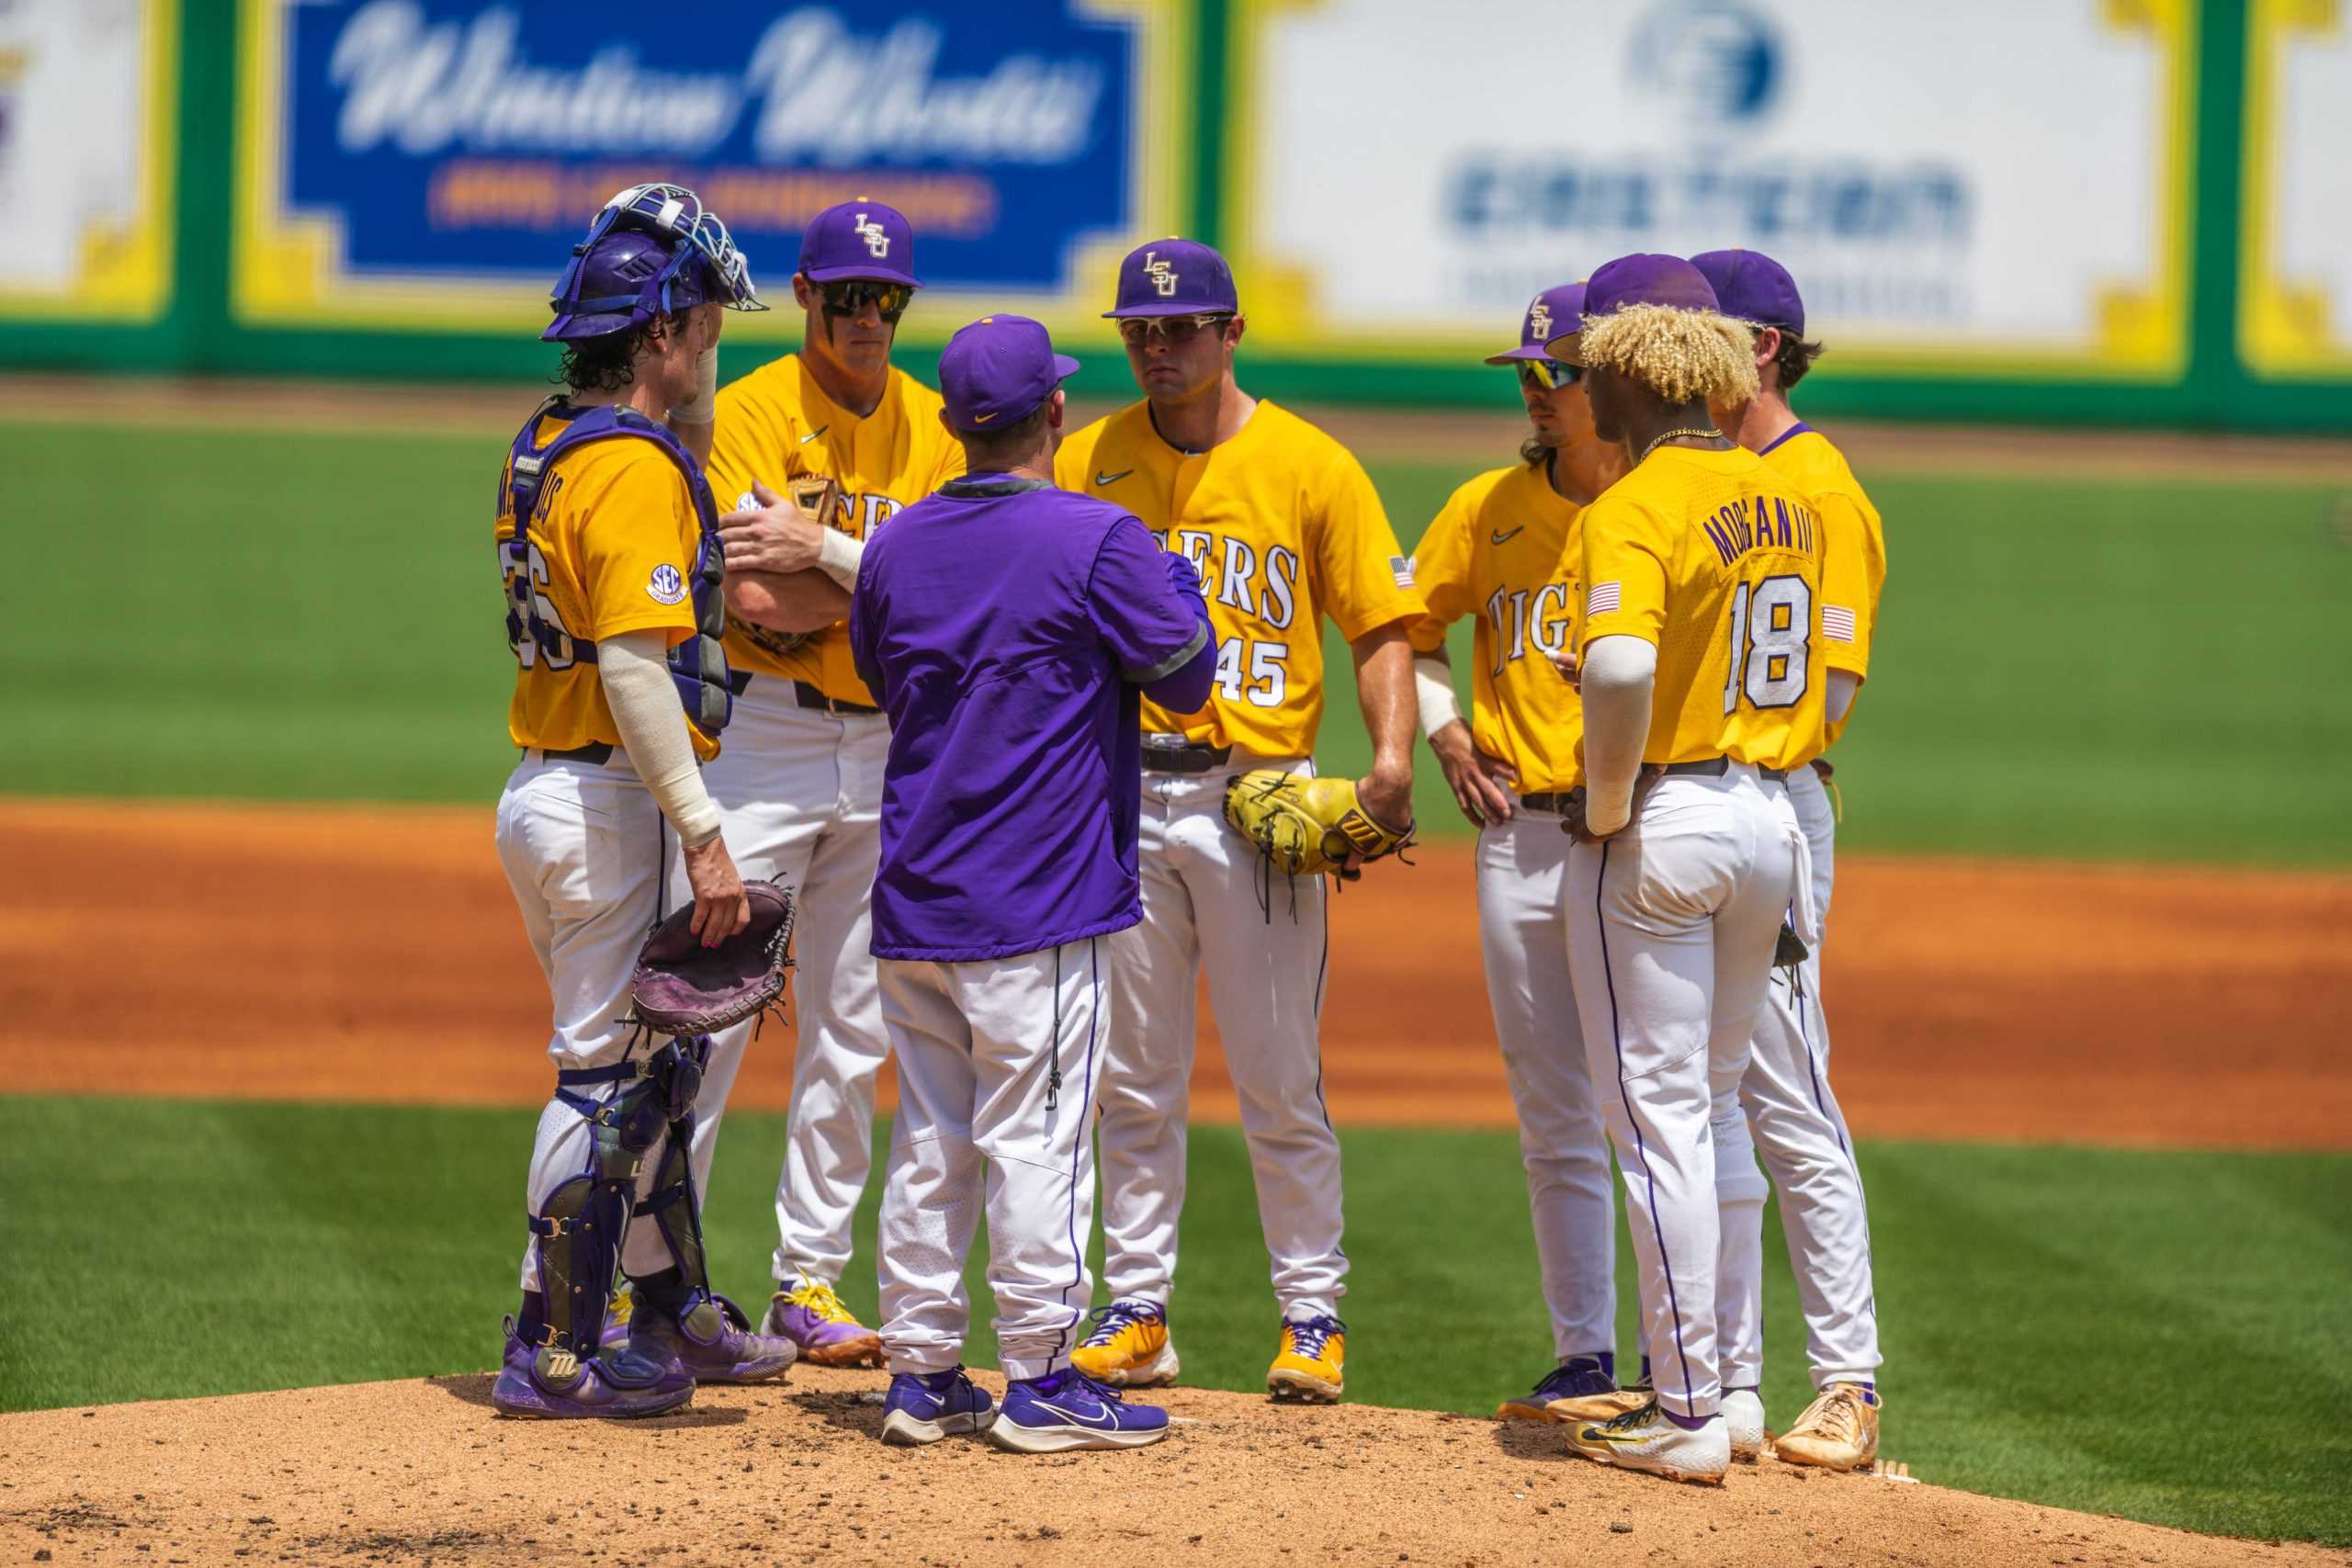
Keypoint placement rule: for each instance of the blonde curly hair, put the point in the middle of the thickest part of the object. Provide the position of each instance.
(1682, 355)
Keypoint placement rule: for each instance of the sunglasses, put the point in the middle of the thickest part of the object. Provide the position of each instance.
(1549, 375)
(848, 298)
(1138, 331)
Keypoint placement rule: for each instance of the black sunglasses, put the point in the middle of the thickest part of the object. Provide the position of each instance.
(852, 295)
(1549, 375)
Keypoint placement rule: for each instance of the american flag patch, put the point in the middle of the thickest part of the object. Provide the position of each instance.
(1837, 623)
(1603, 598)
(1401, 569)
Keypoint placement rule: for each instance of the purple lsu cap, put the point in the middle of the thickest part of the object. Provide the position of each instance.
(1754, 288)
(1642, 278)
(1551, 312)
(997, 370)
(1174, 277)
(859, 239)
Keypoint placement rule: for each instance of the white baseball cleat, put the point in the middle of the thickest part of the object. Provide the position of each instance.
(1646, 1439)
(1837, 1431)
(1744, 1419)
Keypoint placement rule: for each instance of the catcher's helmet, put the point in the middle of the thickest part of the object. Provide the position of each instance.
(651, 251)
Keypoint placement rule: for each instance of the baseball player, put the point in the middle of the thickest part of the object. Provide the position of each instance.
(1494, 552)
(1286, 528)
(1012, 630)
(800, 786)
(1699, 651)
(1785, 1094)
(608, 549)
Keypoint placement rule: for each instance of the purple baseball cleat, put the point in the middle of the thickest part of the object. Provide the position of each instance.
(711, 1336)
(926, 1406)
(1068, 1410)
(1582, 1388)
(552, 1384)
(828, 1333)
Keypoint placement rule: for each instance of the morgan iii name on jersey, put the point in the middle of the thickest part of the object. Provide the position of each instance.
(1504, 548)
(1853, 565)
(1285, 527)
(776, 425)
(1715, 559)
(612, 546)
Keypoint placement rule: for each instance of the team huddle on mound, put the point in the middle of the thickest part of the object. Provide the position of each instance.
(1030, 758)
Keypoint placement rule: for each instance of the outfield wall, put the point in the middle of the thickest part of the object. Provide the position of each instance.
(2032, 210)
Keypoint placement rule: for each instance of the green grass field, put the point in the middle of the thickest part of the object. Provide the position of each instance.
(2093, 668)
(2133, 1333)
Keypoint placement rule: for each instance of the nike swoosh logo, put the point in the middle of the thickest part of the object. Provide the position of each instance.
(814, 433)
(1113, 479)
(1104, 1420)
(1515, 533)
(982, 418)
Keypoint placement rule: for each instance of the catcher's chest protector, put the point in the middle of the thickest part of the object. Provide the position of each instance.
(698, 665)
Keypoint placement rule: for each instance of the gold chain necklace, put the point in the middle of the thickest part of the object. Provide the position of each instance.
(1670, 434)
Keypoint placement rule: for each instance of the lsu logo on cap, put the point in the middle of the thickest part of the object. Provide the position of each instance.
(1539, 323)
(877, 240)
(1163, 275)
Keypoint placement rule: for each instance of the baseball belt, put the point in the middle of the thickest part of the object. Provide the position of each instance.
(805, 696)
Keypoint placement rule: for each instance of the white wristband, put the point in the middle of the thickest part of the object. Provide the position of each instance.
(837, 558)
(1433, 682)
(702, 407)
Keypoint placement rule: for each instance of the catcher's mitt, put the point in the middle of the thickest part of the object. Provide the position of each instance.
(683, 988)
(1307, 825)
(818, 500)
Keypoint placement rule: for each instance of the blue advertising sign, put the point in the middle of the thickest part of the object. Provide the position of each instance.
(400, 155)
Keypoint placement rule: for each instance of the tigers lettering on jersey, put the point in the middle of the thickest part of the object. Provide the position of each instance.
(777, 424)
(1496, 550)
(1853, 562)
(628, 572)
(1715, 559)
(1285, 527)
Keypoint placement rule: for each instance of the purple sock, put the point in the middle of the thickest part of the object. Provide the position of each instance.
(1687, 1423)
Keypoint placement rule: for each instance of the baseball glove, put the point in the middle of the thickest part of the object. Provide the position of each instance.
(818, 500)
(1306, 825)
(681, 988)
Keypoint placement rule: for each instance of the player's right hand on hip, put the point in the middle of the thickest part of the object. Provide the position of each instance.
(1481, 785)
(721, 910)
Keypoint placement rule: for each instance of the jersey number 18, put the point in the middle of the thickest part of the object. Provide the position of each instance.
(1771, 638)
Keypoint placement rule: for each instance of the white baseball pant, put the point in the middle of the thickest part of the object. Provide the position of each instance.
(1786, 1099)
(1207, 900)
(800, 792)
(586, 850)
(1523, 929)
(1672, 925)
(998, 1061)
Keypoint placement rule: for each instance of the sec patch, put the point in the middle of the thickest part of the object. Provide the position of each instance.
(666, 586)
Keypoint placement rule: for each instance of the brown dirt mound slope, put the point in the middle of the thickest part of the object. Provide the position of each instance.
(1968, 1000)
(792, 1473)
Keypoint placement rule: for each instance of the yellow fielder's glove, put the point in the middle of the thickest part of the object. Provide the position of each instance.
(818, 500)
(1306, 825)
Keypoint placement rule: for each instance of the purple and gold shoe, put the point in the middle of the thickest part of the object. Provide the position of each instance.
(549, 1384)
(1582, 1388)
(827, 1333)
(712, 1337)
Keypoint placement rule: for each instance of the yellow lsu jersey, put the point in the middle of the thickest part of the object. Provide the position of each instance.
(1853, 568)
(1286, 527)
(1715, 559)
(777, 424)
(612, 550)
(1497, 552)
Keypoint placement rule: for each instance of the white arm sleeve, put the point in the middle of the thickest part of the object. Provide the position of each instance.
(1618, 672)
(838, 555)
(1433, 684)
(635, 668)
(1843, 684)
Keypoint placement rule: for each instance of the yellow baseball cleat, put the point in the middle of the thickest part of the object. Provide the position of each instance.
(1128, 1347)
(1837, 1431)
(828, 1334)
(1312, 1365)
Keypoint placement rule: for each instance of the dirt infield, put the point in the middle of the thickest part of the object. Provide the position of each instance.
(1969, 1001)
(418, 1470)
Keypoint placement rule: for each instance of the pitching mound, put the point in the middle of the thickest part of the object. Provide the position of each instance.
(416, 1471)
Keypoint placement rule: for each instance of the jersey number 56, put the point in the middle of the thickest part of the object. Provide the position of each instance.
(526, 590)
